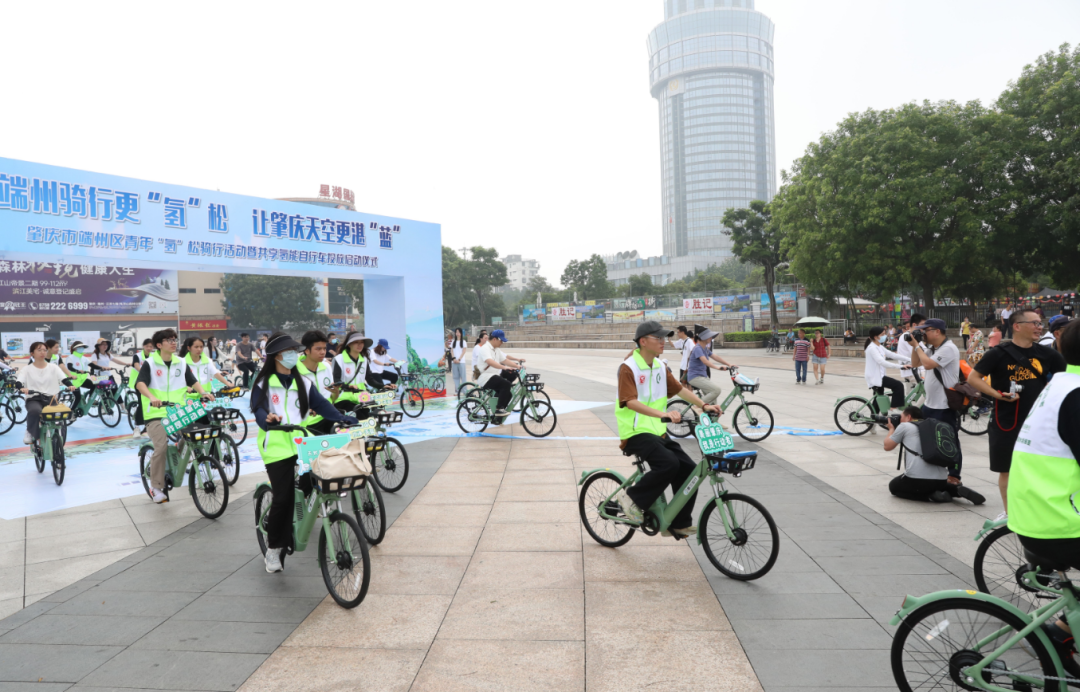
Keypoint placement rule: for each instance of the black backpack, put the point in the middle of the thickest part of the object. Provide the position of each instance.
(938, 441)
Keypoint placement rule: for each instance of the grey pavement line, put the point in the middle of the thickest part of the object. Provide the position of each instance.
(115, 669)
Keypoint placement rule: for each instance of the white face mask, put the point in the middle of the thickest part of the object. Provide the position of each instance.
(289, 359)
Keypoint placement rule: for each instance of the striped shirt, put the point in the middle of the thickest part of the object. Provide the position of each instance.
(802, 349)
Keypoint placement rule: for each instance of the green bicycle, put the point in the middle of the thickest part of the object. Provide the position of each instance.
(752, 420)
(538, 417)
(12, 403)
(52, 436)
(99, 403)
(343, 551)
(1000, 566)
(389, 460)
(738, 534)
(207, 484)
(856, 415)
(963, 639)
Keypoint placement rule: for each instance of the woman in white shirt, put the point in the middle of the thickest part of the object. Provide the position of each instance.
(457, 350)
(477, 347)
(877, 359)
(381, 360)
(44, 379)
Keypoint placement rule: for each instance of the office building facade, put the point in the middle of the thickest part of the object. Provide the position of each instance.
(519, 272)
(711, 70)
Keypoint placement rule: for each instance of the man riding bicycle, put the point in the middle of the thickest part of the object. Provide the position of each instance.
(644, 386)
(498, 372)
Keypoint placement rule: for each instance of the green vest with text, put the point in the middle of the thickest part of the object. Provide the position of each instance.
(651, 385)
(278, 444)
(168, 382)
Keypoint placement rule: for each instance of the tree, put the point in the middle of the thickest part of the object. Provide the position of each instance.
(257, 301)
(893, 198)
(480, 275)
(354, 288)
(639, 285)
(588, 278)
(1043, 109)
(458, 307)
(758, 239)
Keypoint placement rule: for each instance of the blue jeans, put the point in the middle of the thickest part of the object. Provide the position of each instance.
(800, 370)
(949, 416)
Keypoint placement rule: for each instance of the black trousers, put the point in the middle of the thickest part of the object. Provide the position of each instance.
(896, 392)
(1060, 550)
(78, 392)
(33, 414)
(949, 416)
(279, 528)
(248, 368)
(389, 377)
(500, 386)
(669, 466)
(919, 489)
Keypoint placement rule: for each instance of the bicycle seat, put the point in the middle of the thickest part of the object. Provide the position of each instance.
(1046, 563)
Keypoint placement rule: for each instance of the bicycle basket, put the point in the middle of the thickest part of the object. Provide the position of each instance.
(219, 415)
(535, 386)
(532, 378)
(57, 416)
(200, 433)
(388, 417)
(12, 385)
(732, 462)
(339, 464)
(374, 444)
(746, 384)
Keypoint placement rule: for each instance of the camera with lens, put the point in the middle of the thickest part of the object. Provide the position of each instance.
(883, 421)
(918, 335)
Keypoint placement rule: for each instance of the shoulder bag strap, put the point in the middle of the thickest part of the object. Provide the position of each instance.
(1021, 360)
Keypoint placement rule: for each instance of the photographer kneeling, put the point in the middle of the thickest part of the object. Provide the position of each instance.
(921, 481)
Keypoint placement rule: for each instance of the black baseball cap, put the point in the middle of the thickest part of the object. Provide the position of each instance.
(652, 328)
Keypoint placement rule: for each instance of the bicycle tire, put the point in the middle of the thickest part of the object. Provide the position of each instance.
(999, 563)
(616, 533)
(208, 488)
(929, 622)
(109, 410)
(131, 408)
(39, 456)
(7, 418)
(977, 424)
(687, 413)
(17, 404)
(412, 402)
(145, 452)
(744, 535)
(264, 497)
(534, 419)
(59, 464)
(227, 453)
(438, 385)
(237, 429)
(465, 390)
(394, 462)
(847, 414)
(750, 432)
(341, 526)
(370, 512)
(468, 422)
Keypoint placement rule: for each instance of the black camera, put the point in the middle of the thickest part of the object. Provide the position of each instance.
(918, 335)
(883, 421)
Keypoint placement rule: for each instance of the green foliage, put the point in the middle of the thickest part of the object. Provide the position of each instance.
(702, 281)
(253, 301)
(758, 239)
(482, 273)
(588, 278)
(354, 288)
(458, 306)
(737, 337)
(640, 285)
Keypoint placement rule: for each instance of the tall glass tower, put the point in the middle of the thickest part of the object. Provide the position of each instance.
(711, 69)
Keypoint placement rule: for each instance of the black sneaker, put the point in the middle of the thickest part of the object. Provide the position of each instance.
(970, 495)
(1066, 648)
(940, 496)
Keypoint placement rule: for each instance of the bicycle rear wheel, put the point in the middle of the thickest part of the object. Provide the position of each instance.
(39, 456)
(391, 466)
(934, 644)
(753, 421)
(412, 402)
(751, 551)
(975, 420)
(466, 389)
(688, 415)
(17, 403)
(594, 494)
(131, 407)
(848, 414)
(208, 487)
(370, 512)
(539, 419)
(999, 565)
(346, 565)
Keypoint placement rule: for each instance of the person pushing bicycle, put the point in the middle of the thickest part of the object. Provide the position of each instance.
(644, 386)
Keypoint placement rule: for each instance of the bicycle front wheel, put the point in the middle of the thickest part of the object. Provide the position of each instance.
(346, 565)
(751, 549)
(7, 418)
(208, 487)
(472, 416)
(237, 429)
(59, 464)
(438, 385)
(391, 466)
(412, 402)
(753, 421)
(109, 412)
(370, 512)
(131, 408)
(594, 497)
(227, 453)
(688, 415)
(975, 420)
(849, 414)
(539, 419)
(936, 643)
(264, 497)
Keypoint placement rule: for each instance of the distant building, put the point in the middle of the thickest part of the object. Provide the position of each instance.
(711, 71)
(518, 272)
(662, 269)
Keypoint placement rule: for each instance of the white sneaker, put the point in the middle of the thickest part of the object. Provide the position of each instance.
(273, 560)
(631, 510)
(27, 438)
(1001, 517)
(136, 433)
(160, 497)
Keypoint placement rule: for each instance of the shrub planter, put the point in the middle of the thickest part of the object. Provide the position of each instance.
(744, 344)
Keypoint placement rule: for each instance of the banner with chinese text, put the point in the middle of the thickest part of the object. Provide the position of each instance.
(697, 306)
(46, 288)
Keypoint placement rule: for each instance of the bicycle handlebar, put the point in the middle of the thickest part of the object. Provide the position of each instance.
(272, 427)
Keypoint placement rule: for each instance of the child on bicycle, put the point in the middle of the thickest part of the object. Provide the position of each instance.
(644, 385)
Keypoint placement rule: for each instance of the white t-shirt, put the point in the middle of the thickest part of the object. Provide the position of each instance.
(457, 348)
(47, 380)
(686, 346)
(476, 355)
(948, 359)
(489, 352)
(377, 363)
(102, 360)
(1006, 314)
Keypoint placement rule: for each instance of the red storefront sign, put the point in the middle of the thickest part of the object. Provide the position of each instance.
(186, 325)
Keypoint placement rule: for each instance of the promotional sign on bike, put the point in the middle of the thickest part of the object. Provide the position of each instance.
(182, 416)
(712, 438)
(383, 398)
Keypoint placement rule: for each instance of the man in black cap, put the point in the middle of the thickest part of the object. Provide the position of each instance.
(645, 384)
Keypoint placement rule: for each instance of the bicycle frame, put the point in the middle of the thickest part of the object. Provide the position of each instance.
(1066, 601)
(176, 463)
(884, 403)
(302, 528)
(47, 430)
(518, 392)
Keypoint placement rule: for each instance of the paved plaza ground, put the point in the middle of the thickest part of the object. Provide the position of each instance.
(486, 580)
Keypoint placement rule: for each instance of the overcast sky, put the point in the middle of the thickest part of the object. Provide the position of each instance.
(527, 126)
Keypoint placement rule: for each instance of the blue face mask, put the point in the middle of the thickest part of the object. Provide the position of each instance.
(289, 359)
(883, 338)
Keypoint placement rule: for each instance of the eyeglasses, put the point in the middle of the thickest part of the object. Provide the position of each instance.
(170, 341)
(1038, 322)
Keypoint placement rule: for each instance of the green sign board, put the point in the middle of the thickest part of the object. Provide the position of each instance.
(182, 416)
(712, 438)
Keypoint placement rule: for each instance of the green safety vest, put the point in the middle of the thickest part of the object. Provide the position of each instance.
(168, 382)
(322, 378)
(352, 373)
(200, 370)
(134, 374)
(278, 444)
(1044, 479)
(651, 390)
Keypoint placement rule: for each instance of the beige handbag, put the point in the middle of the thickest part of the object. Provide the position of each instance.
(55, 407)
(342, 462)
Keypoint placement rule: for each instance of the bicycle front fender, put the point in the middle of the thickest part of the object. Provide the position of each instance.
(585, 475)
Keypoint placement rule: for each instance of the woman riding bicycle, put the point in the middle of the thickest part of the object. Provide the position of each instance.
(42, 377)
(281, 395)
(382, 364)
(351, 368)
(204, 369)
(877, 359)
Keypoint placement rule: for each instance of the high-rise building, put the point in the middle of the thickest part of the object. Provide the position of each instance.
(711, 69)
(518, 272)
